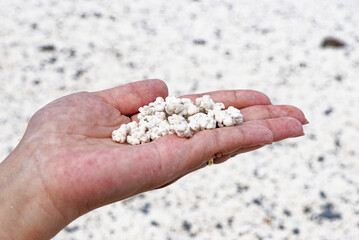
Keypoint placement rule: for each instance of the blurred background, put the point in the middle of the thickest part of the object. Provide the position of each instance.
(304, 53)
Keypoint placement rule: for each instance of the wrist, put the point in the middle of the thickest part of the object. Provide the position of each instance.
(26, 212)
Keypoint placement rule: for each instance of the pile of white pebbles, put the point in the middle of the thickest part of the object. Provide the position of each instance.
(176, 115)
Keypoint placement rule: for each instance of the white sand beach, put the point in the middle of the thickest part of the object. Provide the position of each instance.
(300, 188)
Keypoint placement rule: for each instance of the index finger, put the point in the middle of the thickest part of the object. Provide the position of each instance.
(236, 98)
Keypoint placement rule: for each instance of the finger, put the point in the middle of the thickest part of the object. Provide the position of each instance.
(236, 98)
(219, 142)
(235, 153)
(130, 97)
(180, 155)
(281, 128)
(272, 111)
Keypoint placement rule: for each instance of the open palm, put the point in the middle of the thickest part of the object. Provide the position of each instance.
(80, 168)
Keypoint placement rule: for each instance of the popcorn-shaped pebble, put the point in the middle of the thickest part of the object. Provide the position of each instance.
(159, 105)
(133, 140)
(120, 134)
(164, 128)
(219, 116)
(174, 105)
(205, 103)
(138, 133)
(219, 106)
(188, 108)
(201, 121)
(182, 130)
(235, 115)
(132, 125)
(176, 119)
(153, 120)
(156, 132)
(192, 109)
(146, 110)
(176, 115)
(229, 117)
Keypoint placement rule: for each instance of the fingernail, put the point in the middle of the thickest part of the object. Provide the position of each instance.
(305, 121)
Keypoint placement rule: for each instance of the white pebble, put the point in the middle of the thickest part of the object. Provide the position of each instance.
(176, 115)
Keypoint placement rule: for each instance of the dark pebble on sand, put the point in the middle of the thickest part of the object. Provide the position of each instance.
(332, 42)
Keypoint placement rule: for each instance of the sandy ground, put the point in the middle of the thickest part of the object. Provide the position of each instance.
(303, 188)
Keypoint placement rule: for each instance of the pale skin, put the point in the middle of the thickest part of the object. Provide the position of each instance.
(66, 164)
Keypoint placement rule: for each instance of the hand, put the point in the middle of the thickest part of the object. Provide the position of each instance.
(67, 164)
